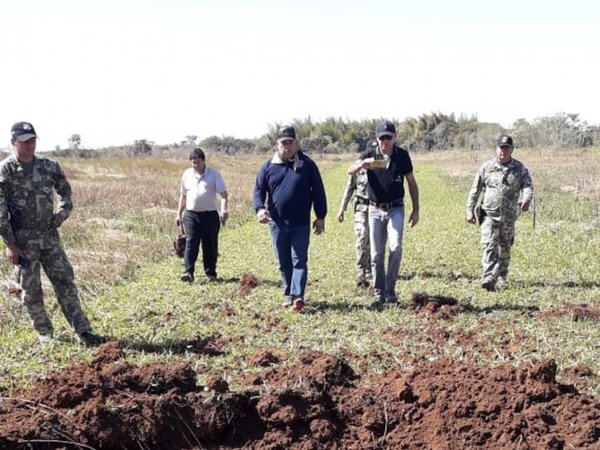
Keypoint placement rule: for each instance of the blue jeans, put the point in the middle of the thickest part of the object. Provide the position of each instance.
(385, 226)
(290, 244)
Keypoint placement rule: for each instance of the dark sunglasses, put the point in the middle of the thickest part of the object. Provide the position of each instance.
(505, 147)
(386, 137)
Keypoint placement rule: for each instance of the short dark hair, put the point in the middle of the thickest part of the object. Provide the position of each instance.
(198, 153)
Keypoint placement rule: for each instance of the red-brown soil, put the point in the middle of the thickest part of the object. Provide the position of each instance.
(313, 402)
(578, 311)
(248, 283)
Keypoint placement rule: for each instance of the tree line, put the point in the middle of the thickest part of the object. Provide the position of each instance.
(427, 132)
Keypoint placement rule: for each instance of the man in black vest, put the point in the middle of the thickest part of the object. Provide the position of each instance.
(387, 166)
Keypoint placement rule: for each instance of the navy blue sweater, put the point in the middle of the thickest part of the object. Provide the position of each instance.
(288, 193)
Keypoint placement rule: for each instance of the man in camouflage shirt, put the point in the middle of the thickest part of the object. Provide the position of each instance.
(357, 184)
(507, 189)
(29, 228)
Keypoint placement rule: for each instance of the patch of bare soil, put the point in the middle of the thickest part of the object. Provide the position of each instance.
(316, 402)
(266, 357)
(578, 311)
(434, 307)
(248, 283)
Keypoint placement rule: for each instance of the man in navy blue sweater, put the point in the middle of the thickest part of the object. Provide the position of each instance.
(287, 186)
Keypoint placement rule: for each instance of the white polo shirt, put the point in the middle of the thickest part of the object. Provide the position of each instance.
(200, 190)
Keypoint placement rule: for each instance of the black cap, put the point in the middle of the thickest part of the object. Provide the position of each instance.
(23, 131)
(386, 128)
(504, 139)
(286, 132)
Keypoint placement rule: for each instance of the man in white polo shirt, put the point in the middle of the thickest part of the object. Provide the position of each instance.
(198, 213)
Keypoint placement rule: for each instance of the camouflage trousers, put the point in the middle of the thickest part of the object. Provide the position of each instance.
(363, 249)
(58, 269)
(497, 238)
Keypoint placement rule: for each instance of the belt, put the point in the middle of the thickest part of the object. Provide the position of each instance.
(389, 205)
(361, 201)
(201, 212)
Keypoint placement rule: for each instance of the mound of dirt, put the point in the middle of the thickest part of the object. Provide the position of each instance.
(265, 358)
(434, 307)
(314, 402)
(248, 283)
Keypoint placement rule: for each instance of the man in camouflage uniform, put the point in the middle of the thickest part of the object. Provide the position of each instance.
(357, 185)
(29, 228)
(501, 180)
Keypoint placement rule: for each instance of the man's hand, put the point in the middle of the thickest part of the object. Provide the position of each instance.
(318, 226)
(224, 216)
(525, 205)
(263, 216)
(59, 218)
(414, 218)
(359, 164)
(470, 217)
(340, 216)
(12, 254)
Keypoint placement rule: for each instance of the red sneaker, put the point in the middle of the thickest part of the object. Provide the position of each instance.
(298, 303)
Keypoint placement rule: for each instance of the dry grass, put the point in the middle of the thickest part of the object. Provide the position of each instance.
(125, 209)
(572, 171)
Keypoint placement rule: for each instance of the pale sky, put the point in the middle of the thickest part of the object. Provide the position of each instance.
(115, 71)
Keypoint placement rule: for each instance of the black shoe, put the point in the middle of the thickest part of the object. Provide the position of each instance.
(90, 339)
(186, 276)
(362, 283)
(391, 300)
(489, 284)
(376, 305)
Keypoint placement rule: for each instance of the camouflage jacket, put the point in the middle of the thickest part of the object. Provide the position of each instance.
(501, 186)
(357, 185)
(27, 201)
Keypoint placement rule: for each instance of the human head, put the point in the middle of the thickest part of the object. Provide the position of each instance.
(22, 131)
(197, 153)
(24, 139)
(198, 160)
(287, 145)
(386, 134)
(504, 148)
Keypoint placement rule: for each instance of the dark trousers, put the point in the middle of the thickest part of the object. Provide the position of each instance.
(201, 227)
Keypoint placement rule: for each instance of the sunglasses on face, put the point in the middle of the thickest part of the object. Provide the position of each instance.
(505, 147)
(385, 138)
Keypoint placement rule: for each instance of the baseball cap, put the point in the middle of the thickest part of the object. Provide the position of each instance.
(386, 128)
(286, 132)
(504, 139)
(23, 131)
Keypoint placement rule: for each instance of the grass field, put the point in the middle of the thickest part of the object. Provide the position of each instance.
(119, 240)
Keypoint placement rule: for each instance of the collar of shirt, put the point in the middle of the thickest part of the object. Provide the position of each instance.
(277, 159)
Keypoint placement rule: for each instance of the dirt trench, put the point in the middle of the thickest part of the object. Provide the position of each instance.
(317, 402)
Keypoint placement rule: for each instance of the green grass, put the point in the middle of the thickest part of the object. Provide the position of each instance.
(553, 264)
